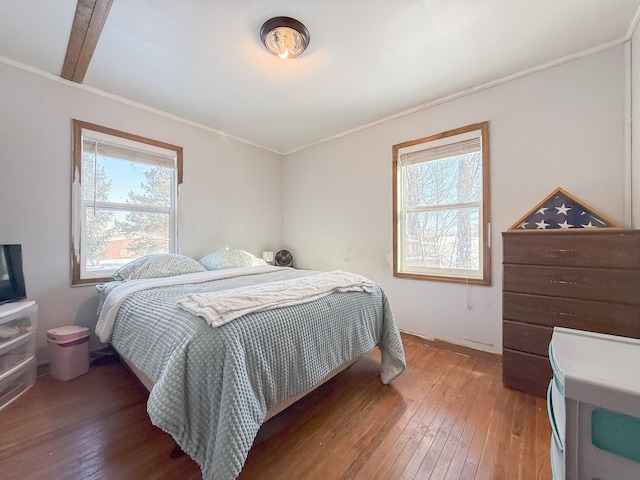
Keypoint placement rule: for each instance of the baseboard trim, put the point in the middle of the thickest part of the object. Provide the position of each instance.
(468, 351)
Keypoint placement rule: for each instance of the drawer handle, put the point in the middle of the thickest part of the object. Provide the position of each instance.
(563, 250)
(563, 282)
(562, 314)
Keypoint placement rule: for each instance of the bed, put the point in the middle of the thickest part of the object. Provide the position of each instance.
(212, 385)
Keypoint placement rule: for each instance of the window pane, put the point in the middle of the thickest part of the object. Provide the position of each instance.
(115, 237)
(99, 223)
(144, 232)
(450, 180)
(124, 181)
(445, 239)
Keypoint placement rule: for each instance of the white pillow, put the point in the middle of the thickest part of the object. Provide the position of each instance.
(224, 258)
(158, 265)
(127, 269)
(210, 261)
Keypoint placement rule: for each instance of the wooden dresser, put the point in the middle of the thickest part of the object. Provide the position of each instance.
(586, 280)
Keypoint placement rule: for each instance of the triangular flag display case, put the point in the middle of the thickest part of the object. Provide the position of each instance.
(561, 210)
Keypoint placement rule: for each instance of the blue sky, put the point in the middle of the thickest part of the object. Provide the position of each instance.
(125, 176)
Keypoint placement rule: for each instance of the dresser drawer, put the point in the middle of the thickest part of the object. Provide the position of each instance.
(620, 286)
(580, 249)
(526, 372)
(526, 338)
(612, 318)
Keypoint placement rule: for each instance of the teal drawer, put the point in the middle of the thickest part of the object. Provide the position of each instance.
(616, 433)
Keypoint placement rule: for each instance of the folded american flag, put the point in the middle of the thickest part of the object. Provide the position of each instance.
(561, 210)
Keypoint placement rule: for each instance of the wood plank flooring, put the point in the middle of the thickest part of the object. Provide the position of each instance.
(447, 417)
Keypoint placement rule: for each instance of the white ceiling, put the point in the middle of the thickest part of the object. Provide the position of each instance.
(202, 60)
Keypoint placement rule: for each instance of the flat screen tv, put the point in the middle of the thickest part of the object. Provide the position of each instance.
(12, 285)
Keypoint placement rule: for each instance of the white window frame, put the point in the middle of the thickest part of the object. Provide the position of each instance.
(424, 147)
(80, 276)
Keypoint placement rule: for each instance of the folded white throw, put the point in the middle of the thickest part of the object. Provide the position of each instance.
(218, 308)
(112, 304)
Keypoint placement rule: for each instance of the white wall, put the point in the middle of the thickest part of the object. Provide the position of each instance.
(562, 127)
(231, 194)
(635, 128)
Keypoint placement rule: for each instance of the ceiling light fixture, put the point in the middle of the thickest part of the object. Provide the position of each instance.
(284, 36)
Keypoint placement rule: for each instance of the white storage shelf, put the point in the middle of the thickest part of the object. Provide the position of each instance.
(18, 322)
(17, 351)
(17, 319)
(17, 381)
(594, 406)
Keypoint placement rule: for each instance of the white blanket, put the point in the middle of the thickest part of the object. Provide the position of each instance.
(218, 308)
(118, 295)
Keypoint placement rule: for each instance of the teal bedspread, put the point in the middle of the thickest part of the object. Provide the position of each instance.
(213, 386)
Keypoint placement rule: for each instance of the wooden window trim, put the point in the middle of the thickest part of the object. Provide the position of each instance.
(78, 126)
(486, 221)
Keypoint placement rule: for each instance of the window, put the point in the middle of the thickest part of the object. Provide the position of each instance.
(125, 197)
(441, 206)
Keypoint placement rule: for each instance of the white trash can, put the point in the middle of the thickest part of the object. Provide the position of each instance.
(69, 351)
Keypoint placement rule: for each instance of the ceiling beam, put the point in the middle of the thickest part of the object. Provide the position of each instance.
(89, 19)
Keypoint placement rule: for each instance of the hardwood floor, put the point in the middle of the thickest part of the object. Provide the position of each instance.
(447, 417)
